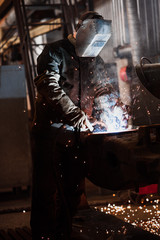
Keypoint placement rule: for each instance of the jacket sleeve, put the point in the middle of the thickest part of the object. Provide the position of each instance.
(47, 84)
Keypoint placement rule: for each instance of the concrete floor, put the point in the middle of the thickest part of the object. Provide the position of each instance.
(15, 213)
(112, 215)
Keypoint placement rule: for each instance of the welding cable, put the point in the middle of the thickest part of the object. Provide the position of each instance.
(141, 67)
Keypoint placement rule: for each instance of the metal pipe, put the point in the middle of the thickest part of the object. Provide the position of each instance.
(146, 24)
(65, 7)
(123, 22)
(134, 30)
(90, 5)
(154, 23)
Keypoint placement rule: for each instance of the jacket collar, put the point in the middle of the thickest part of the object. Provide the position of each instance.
(72, 39)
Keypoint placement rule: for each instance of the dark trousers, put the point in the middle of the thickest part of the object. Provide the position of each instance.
(58, 182)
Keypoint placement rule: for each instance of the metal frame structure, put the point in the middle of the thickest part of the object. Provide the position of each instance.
(26, 48)
(70, 13)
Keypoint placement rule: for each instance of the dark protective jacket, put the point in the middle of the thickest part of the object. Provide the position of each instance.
(66, 84)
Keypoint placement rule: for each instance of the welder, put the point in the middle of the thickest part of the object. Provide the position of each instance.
(70, 74)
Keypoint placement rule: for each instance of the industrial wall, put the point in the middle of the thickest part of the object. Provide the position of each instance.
(15, 151)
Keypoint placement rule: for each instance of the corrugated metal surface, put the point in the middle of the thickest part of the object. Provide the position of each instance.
(120, 23)
(149, 15)
(149, 19)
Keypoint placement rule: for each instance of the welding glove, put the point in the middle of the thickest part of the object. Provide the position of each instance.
(85, 125)
(48, 87)
(73, 115)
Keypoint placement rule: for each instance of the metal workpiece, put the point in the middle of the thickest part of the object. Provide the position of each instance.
(123, 160)
(149, 75)
(117, 160)
(149, 134)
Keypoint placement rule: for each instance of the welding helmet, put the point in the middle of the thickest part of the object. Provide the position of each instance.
(93, 32)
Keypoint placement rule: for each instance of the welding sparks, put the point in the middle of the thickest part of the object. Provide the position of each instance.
(147, 218)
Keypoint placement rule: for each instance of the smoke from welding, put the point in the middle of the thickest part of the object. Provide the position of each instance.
(110, 113)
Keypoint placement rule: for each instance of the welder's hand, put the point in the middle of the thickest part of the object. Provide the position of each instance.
(82, 122)
(87, 125)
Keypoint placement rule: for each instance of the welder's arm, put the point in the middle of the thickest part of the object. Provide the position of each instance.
(48, 86)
